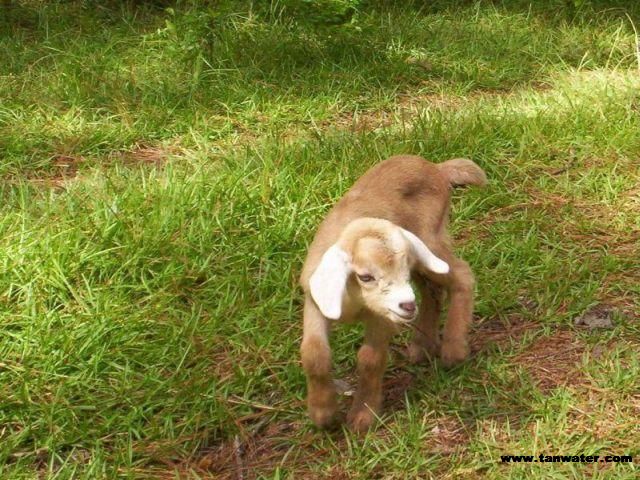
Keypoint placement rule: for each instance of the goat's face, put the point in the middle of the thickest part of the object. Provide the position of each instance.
(372, 264)
(382, 275)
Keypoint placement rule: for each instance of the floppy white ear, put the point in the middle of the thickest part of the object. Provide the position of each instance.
(425, 256)
(329, 281)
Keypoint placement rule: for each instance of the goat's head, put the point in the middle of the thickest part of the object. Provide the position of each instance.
(372, 263)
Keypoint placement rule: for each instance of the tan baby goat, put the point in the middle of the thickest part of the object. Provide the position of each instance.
(388, 229)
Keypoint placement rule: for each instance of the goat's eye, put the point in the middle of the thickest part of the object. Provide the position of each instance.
(366, 278)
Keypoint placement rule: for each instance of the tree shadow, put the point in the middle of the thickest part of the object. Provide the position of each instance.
(463, 45)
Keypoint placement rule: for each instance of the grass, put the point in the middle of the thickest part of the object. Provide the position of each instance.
(162, 171)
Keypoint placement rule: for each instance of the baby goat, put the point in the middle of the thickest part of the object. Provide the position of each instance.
(388, 229)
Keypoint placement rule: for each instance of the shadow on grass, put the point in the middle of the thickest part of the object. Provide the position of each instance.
(234, 53)
(88, 78)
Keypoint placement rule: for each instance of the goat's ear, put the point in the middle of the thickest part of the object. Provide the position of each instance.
(329, 281)
(425, 256)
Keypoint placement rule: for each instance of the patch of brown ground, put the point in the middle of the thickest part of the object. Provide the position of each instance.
(245, 457)
(606, 234)
(492, 430)
(602, 217)
(222, 365)
(618, 291)
(607, 417)
(494, 331)
(63, 168)
(552, 361)
(406, 108)
(449, 435)
(145, 155)
(262, 444)
(600, 228)
(270, 444)
(394, 389)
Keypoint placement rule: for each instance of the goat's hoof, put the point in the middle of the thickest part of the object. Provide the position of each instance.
(453, 353)
(323, 417)
(360, 420)
(417, 353)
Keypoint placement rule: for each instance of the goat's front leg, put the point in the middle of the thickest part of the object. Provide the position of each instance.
(372, 360)
(316, 361)
(455, 347)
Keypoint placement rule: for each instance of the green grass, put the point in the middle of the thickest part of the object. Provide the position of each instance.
(149, 312)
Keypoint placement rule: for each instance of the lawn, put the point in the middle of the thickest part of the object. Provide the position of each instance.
(164, 166)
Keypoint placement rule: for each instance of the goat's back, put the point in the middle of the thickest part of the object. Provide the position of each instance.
(404, 189)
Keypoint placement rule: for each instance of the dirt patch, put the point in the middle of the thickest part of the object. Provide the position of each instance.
(495, 331)
(394, 389)
(552, 361)
(246, 456)
(291, 444)
(449, 435)
(222, 366)
(62, 168)
(405, 110)
(66, 165)
(604, 232)
(145, 155)
(618, 291)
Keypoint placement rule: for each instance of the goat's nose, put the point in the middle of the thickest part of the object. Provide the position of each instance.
(409, 307)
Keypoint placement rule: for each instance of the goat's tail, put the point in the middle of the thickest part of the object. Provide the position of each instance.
(461, 171)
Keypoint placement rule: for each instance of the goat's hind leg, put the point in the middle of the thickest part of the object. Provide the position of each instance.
(455, 347)
(459, 283)
(425, 342)
(316, 361)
